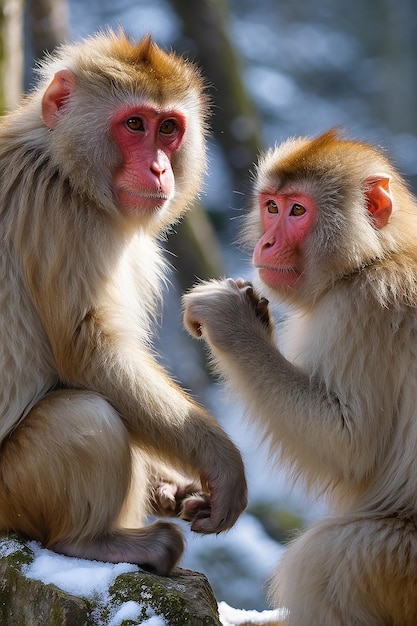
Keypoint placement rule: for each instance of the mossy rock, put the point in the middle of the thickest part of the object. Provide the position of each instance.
(185, 598)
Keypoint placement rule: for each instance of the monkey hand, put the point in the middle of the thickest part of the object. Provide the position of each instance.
(222, 312)
(213, 503)
(225, 483)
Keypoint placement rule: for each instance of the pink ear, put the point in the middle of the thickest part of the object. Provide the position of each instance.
(379, 199)
(55, 96)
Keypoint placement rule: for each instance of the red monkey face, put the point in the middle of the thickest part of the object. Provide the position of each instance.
(286, 220)
(320, 209)
(147, 139)
(128, 128)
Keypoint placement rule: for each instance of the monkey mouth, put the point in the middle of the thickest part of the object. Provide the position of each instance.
(278, 277)
(140, 201)
(159, 195)
(281, 270)
(141, 194)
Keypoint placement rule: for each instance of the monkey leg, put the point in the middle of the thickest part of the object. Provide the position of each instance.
(349, 572)
(65, 473)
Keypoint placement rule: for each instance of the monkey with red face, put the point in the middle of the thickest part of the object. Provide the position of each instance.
(333, 230)
(96, 164)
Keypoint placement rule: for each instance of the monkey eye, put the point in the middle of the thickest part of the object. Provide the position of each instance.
(297, 210)
(168, 127)
(135, 123)
(272, 206)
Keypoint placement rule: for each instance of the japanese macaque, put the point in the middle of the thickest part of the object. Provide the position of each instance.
(333, 229)
(99, 160)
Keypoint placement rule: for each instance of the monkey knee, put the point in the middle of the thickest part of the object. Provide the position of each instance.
(81, 428)
(66, 469)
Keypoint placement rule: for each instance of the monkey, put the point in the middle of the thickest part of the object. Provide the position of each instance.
(98, 162)
(332, 229)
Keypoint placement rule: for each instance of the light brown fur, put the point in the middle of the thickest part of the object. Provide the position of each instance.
(82, 394)
(337, 401)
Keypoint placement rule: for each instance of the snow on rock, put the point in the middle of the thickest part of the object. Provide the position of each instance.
(238, 617)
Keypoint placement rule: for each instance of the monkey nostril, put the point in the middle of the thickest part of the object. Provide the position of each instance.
(157, 169)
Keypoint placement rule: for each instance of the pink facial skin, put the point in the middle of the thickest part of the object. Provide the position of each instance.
(147, 139)
(286, 220)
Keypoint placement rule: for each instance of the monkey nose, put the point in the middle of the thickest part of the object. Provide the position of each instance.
(157, 168)
(269, 241)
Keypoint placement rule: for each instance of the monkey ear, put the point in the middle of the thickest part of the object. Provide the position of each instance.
(55, 96)
(378, 195)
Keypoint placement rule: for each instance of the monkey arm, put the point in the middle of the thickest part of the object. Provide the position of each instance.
(159, 415)
(300, 415)
(97, 327)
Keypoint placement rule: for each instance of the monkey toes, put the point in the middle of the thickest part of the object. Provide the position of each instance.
(165, 545)
(195, 506)
(184, 501)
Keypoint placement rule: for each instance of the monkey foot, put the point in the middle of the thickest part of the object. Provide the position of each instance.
(156, 548)
(185, 501)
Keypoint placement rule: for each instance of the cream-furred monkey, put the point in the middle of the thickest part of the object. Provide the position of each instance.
(333, 230)
(96, 164)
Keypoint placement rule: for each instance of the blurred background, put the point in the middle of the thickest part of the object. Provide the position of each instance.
(275, 68)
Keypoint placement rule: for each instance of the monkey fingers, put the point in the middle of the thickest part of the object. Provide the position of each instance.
(212, 311)
(221, 512)
(209, 299)
(260, 305)
(242, 283)
(262, 312)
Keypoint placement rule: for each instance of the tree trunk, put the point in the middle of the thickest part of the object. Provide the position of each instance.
(48, 25)
(11, 54)
(235, 122)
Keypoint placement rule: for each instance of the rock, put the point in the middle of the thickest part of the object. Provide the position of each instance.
(185, 598)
